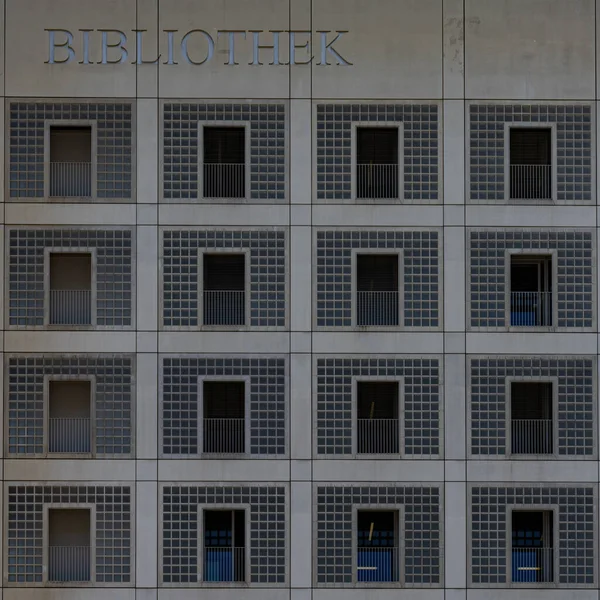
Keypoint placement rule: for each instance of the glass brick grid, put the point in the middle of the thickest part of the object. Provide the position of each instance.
(421, 269)
(420, 535)
(267, 147)
(181, 270)
(574, 531)
(574, 288)
(181, 407)
(489, 406)
(573, 144)
(421, 147)
(113, 272)
(265, 546)
(114, 123)
(25, 529)
(420, 401)
(113, 400)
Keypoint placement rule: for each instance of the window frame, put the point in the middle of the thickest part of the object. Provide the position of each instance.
(399, 380)
(354, 300)
(48, 251)
(552, 254)
(510, 508)
(553, 381)
(553, 158)
(47, 507)
(399, 125)
(202, 508)
(246, 380)
(74, 123)
(400, 510)
(66, 378)
(236, 251)
(247, 163)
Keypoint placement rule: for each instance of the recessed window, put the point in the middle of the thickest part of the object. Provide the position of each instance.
(377, 540)
(224, 417)
(532, 546)
(70, 161)
(377, 169)
(224, 284)
(530, 291)
(69, 417)
(224, 546)
(224, 168)
(69, 545)
(70, 289)
(530, 163)
(378, 296)
(531, 425)
(378, 426)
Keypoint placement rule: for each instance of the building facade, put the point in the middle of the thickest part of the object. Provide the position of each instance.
(300, 299)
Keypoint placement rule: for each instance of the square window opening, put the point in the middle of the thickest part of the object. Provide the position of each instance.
(69, 545)
(377, 285)
(224, 282)
(224, 546)
(531, 424)
(70, 289)
(377, 169)
(69, 417)
(532, 546)
(377, 540)
(70, 161)
(530, 151)
(531, 302)
(224, 168)
(378, 424)
(224, 417)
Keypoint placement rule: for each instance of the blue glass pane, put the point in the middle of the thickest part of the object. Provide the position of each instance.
(218, 565)
(524, 566)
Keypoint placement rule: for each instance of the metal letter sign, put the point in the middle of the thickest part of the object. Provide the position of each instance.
(198, 47)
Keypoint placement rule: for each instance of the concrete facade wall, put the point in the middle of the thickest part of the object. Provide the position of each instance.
(453, 73)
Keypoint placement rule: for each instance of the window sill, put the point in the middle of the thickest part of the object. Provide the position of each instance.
(543, 457)
(532, 329)
(397, 200)
(217, 199)
(70, 455)
(530, 201)
(223, 456)
(377, 584)
(69, 200)
(382, 456)
(68, 327)
(224, 328)
(223, 584)
(533, 585)
(69, 584)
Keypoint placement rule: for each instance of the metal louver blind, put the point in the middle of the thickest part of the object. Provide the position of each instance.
(377, 273)
(530, 146)
(224, 272)
(224, 145)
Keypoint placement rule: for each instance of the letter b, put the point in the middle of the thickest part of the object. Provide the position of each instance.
(52, 46)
